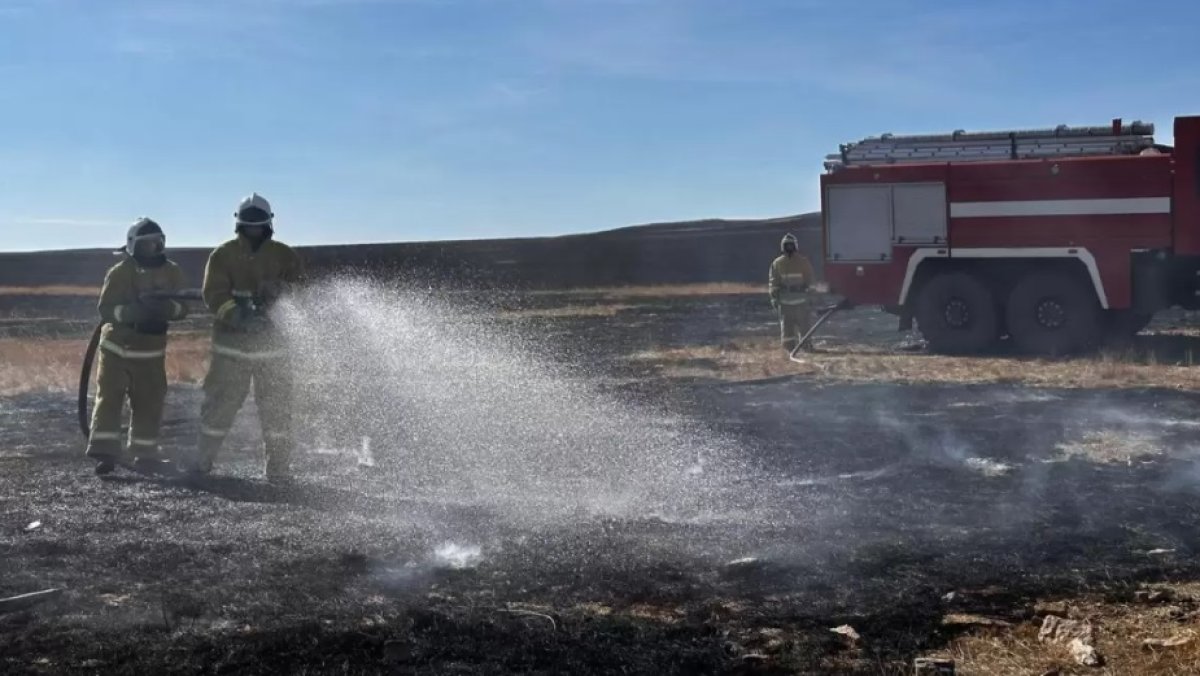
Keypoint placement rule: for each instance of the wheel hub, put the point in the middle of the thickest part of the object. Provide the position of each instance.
(957, 313)
(1050, 313)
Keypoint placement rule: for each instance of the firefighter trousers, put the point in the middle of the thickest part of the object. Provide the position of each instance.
(225, 388)
(143, 381)
(795, 320)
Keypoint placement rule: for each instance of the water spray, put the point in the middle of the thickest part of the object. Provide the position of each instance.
(510, 424)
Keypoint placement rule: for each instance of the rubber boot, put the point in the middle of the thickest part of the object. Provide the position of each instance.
(194, 467)
(278, 467)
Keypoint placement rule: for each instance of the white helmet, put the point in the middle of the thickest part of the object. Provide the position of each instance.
(788, 239)
(254, 210)
(144, 229)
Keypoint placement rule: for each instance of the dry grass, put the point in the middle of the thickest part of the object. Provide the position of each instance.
(750, 359)
(662, 291)
(53, 290)
(1111, 448)
(567, 311)
(28, 365)
(1121, 630)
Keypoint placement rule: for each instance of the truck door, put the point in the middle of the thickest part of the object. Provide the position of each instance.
(859, 222)
(919, 214)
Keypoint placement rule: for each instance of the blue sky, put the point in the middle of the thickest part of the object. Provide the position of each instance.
(397, 120)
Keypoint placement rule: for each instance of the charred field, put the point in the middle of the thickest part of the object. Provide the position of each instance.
(876, 487)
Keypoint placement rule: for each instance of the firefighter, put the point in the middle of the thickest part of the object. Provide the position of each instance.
(788, 281)
(243, 280)
(133, 346)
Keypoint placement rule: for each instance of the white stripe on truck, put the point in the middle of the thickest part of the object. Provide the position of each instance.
(1084, 207)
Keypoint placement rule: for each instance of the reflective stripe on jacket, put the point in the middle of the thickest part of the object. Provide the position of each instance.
(237, 272)
(789, 278)
(124, 283)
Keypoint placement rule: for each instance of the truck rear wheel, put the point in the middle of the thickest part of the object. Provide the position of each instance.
(1053, 312)
(957, 314)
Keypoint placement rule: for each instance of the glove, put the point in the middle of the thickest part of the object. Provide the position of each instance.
(152, 318)
(242, 314)
(250, 318)
(154, 310)
(257, 323)
(270, 292)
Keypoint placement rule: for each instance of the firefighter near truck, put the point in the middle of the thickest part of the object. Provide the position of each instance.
(1058, 240)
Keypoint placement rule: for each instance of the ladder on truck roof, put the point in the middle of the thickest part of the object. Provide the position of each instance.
(961, 146)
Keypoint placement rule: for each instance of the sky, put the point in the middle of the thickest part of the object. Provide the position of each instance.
(405, 120)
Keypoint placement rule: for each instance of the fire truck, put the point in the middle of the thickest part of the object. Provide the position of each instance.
(1055, 239)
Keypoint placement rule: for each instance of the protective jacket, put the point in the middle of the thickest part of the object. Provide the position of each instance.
(241, 282)
(129, 332)
(132, 360)
(789, 278)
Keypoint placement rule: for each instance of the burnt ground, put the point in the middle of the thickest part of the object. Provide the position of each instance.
(869, 502)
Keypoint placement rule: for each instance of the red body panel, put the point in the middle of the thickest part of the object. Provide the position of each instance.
(879, 283)
(1186, 199)
(887, 174)
(1075, 178)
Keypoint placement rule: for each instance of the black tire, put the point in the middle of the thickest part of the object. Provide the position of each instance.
(957, 314)
(1053, 312)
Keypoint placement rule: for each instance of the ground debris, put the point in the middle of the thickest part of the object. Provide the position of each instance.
(1085, 653)
(1154, 595)
(847, 631)
(14, 603)
(1078, 635)
(1167, 643)
(969, 620)
(768, 640)
(1044, 608)
(1060, 630)
(745, 568)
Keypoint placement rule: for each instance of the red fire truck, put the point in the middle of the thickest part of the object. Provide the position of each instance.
(1055, 238)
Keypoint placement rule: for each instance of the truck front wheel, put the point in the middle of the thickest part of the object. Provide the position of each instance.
(1053, 312)
(957, 314)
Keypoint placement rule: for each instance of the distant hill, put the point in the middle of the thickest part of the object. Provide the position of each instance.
(658, 253)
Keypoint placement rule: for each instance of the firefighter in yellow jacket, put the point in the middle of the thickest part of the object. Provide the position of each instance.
(788, 282)
(243, 280)
(133, 346)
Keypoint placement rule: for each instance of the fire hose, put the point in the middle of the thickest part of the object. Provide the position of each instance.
(826, 313)
(89, 355)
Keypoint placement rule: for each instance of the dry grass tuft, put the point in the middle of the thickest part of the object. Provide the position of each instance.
(1121, 630)
(749, 359)
(28, 365)
(52, 290)
(567, 311)
(662, 290)
(1110, 448)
